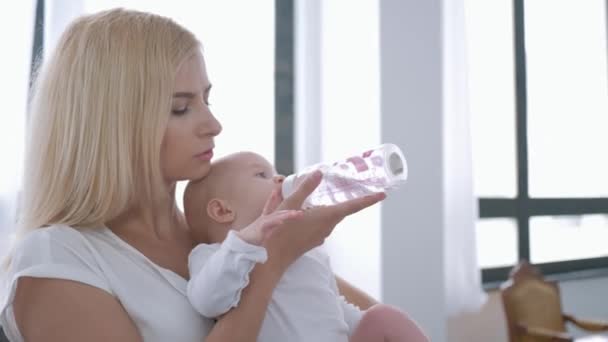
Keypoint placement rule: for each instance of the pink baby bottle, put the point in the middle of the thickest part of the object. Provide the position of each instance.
(376, 170)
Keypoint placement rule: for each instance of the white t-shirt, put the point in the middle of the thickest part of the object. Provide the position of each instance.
(305, 305)
(154, 297)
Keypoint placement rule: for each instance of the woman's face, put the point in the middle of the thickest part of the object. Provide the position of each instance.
(187, 146)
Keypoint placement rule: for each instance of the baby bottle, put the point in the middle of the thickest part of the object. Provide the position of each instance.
(376, 170)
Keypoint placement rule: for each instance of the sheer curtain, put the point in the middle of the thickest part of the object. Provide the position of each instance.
(463, 275)
(336, 53)
(332, 35)
(16, 34)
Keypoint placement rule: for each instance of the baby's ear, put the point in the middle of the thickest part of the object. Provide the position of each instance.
(220, 211)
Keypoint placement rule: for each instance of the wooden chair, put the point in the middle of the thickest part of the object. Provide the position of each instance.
(533, 309)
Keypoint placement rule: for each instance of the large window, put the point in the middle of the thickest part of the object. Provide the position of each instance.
(539, 101)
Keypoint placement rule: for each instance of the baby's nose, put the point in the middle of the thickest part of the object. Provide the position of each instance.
(279, 179)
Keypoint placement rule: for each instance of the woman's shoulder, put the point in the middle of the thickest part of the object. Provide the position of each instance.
(57, 251)
(50, 241)
(55, 232)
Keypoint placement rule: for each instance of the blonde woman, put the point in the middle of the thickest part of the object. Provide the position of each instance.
(119, 115)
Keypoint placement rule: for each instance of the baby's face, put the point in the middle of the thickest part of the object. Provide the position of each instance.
(249, 179)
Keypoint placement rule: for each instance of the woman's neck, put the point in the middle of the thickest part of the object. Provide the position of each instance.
(158, 220)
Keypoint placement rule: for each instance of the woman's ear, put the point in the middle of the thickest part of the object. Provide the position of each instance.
(220, 211)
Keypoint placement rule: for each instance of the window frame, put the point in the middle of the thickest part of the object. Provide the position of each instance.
(38, 43)
(284, 86)
(523, 207)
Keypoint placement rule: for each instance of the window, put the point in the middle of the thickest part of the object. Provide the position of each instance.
(539, 104)
(16, 32)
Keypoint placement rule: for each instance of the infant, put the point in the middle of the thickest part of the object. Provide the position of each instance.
(233, 210)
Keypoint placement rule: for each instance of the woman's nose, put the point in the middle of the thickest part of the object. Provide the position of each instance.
(279, 179)
(211, 126)
(215, 126)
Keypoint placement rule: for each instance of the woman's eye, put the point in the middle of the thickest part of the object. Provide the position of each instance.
(180, 111)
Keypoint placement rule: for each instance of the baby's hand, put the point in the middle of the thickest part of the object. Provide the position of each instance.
(257, 232)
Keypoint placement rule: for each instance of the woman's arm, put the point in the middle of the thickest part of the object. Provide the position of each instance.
(62, 310)
(354, 295)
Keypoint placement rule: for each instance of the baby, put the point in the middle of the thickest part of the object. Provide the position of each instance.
(233, 209)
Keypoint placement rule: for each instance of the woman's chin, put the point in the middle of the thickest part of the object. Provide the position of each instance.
(201, 172)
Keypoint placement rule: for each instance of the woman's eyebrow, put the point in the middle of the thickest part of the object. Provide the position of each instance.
(190, 95)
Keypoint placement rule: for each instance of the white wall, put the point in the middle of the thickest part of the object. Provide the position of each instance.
(411, 112)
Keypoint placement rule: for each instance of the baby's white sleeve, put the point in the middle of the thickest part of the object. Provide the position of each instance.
(219, 273)
(352, 314)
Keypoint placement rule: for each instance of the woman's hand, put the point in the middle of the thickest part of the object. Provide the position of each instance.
(258, 232)
(301, 234)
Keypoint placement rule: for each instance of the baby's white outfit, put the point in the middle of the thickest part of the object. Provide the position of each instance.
(305, 305)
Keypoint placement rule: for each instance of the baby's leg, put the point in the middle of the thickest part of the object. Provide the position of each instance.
(382, 323)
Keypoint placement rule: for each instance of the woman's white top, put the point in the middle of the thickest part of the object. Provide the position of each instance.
(154, 297)
(305, 305)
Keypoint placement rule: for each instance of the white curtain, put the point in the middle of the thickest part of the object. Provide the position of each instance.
(314, 84)
(335, 40)
(17, 32)
(464, 292)
(16, 35)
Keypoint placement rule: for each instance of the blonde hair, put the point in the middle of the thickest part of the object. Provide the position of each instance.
(98, 114)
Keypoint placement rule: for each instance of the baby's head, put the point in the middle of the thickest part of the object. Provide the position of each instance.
(231, 196)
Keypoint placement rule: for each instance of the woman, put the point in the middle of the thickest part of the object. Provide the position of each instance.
(119, 114)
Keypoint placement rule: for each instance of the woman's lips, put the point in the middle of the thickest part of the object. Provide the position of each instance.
(205, 156)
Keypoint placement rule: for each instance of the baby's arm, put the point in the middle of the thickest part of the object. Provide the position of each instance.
(219, 273)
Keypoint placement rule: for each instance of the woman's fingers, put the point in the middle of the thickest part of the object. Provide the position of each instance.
(290, 239)
(257, 232)
(284, 215)
(278, 218)
(273, 202)
(295, 200)
(352, 206)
